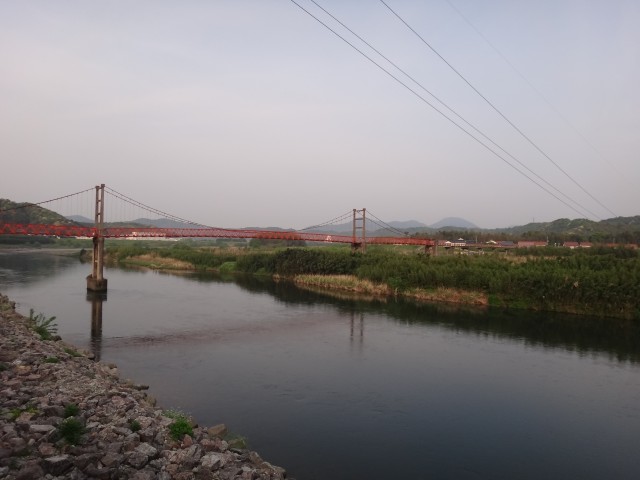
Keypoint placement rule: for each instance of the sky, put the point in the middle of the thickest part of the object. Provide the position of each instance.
(252, 113)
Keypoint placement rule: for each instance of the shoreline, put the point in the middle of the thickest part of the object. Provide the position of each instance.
(350, 285)
(49, 390)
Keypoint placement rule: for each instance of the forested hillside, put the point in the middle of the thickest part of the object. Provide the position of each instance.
(11, 212)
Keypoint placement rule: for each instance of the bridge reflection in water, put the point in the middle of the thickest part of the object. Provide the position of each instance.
(96, 299)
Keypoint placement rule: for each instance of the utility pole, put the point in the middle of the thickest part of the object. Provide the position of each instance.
(359, 223)
(96, 281)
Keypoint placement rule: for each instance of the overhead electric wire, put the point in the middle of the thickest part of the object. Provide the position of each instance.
(533, 87)
(432, 106)
(454, 112)
(497, 110)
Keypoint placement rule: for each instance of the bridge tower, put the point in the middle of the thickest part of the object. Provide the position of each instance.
(96, 281)
(359, 223)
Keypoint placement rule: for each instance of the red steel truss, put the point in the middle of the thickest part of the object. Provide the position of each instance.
(131, 232)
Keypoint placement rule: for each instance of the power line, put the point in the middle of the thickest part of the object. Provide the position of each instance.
(533, 87)
(496, 108)
(416, 82)
(433, 107)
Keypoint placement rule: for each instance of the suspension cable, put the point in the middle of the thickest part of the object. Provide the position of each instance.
(28, 204)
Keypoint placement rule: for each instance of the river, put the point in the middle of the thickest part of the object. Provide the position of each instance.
(337, 389)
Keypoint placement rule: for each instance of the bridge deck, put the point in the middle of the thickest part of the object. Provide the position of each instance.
(130, 232)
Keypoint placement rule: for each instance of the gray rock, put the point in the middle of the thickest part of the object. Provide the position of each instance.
(83, 460)
(136, 459)
(218, 430)
(41, 428)
(99, 473)
(30, 472)
(57, 465)
(213, 461)
(112, 459)
(147, 450)
(30, 447)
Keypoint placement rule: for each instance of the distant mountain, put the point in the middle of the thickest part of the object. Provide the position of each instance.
(80, 219)
(454, 223)
(403, 226)
(612, 230)
(618, 229)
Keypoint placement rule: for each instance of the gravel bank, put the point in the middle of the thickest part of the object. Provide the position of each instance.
(64, 416)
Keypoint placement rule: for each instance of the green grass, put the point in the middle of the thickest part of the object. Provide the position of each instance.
(16, 412)
(45, 327)
(52, 360)
(72, 352)
(181, 425)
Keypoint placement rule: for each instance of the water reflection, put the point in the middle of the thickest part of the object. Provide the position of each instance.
(96, 299)
(619, 339)
(26, 267)
(356, 337)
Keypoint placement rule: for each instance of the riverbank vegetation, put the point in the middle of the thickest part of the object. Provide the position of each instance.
(599, 281)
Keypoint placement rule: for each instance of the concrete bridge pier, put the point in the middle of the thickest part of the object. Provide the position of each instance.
(96, 281)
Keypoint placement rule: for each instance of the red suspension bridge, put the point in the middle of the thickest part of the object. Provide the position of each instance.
(99, 230)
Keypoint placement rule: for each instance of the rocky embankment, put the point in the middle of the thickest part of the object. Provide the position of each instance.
(64, 416)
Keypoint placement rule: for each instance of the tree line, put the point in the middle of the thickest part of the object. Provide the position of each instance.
(599, 281)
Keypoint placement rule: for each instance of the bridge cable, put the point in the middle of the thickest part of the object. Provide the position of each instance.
(27, 204)
(388, 227)
(329, 222)
(380, 225)
(421, 86)
(424, 100)
(498, 110)
(136, 203)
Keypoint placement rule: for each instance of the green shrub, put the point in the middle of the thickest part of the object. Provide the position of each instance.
(72, 352)
(71, 410)
(45, 327)
(227, 267)
(135, 426)
(179, 428)
(181, 425)
(51, 360)
(71, 430)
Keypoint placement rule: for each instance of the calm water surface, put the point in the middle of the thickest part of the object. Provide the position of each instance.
(346, 389)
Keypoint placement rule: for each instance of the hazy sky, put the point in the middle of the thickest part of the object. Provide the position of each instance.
(251, 113)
